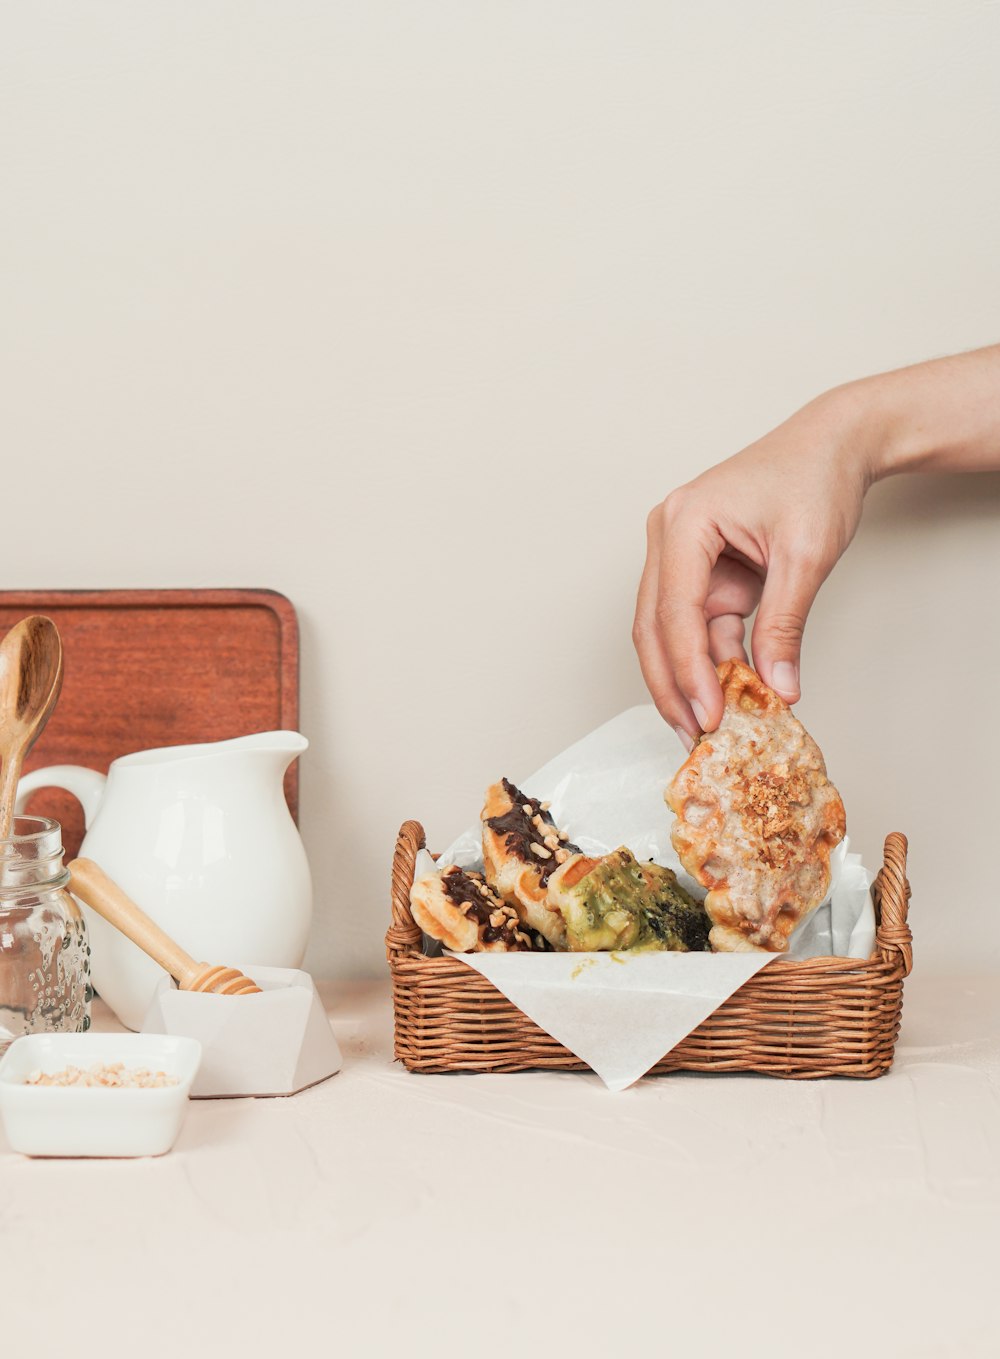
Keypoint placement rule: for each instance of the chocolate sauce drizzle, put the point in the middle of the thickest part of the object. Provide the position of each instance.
(519, 832)
(462, 889)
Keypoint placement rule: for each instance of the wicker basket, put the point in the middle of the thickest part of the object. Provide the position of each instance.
(820, 1017)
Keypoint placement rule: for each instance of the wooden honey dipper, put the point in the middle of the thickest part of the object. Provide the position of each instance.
(93, 886)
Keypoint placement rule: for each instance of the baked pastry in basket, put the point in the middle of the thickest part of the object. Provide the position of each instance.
(459, 908)
(615, 902)
(522, 848)
(677, 919)
(757, 817)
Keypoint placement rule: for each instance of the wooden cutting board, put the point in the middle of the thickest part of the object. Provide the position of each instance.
(147, 668)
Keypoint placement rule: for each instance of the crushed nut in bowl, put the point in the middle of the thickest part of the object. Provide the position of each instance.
(110, 1076)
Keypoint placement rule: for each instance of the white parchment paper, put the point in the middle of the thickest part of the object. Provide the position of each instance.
(620, 1012)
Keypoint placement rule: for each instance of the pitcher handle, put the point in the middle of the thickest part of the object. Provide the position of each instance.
(87, 785)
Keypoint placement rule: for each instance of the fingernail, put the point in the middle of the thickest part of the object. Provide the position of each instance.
(684, 739)
(699, 713)
(785, 678)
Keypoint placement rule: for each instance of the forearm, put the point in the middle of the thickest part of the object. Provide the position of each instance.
(763, 529)
(941, 416)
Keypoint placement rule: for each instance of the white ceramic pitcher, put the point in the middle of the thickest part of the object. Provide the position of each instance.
(202, 838)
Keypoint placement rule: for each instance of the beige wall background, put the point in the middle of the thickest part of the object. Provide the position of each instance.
(413, 311)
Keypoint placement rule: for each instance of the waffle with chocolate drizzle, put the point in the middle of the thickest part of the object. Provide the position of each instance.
(457, 907)
(522, 848)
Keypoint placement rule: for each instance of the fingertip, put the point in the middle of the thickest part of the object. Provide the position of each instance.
(709, 697)
(701, 714)
(685, 739)
(676, 712)
(784, 680)
(707, 720)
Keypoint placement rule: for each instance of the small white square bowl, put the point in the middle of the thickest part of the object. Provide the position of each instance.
(48, 1120)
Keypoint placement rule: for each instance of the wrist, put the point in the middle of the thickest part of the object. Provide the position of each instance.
(893, 425)
(863, 426)
(939, 416)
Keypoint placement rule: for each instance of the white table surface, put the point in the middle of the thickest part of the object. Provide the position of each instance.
(387, 1213)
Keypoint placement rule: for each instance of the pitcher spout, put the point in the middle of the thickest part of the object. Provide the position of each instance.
(278, 747)
(282, 746)
(279, 742)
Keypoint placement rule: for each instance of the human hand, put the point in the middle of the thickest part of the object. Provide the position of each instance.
(761, 530)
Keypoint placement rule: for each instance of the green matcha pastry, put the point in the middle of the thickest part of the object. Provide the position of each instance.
(616, 903)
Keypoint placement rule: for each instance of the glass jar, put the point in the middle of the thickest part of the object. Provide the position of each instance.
(44, 953)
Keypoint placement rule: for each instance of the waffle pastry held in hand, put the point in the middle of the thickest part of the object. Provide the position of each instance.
(757, 817)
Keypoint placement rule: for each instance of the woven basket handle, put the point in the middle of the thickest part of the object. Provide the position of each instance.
(892, 898)
(404, 935)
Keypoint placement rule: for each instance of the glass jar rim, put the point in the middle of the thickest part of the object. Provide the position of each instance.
(41, 826)
(32, 858)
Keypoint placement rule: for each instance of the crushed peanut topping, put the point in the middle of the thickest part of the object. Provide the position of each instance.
(102, 1075)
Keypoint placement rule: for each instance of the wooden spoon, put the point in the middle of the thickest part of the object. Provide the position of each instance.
(93, 886)
(31, 671)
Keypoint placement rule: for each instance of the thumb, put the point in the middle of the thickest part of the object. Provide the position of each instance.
(789, 590)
